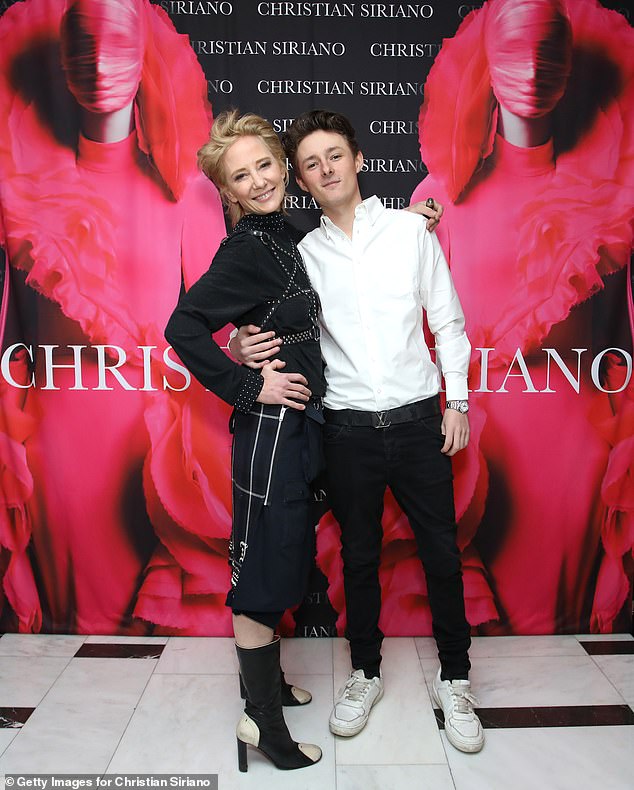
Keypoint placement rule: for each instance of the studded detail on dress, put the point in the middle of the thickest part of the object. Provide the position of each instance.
(272, 232)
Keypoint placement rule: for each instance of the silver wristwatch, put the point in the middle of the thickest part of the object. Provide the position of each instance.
(459, 405)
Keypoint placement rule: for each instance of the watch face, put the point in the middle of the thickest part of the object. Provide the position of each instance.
(463, 408)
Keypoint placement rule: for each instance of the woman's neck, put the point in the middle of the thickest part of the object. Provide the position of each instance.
(108, 127)
(523, 132)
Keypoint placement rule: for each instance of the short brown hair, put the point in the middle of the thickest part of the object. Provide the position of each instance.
(316, 121)
(229, 127)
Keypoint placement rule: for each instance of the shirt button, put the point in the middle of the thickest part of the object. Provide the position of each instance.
(379, 390)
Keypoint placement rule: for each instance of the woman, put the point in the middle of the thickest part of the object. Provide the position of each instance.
(552, 504)
(258, 276)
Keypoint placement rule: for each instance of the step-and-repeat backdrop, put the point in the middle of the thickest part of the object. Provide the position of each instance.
(114, 464)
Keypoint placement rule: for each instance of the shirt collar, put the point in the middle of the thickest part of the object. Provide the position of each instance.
(371, 207)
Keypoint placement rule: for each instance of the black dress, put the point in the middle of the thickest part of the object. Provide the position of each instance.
(258, 277)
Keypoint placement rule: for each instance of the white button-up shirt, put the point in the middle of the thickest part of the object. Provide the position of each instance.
(373, 289)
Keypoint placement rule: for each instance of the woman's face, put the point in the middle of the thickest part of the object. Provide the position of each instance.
(529, 48)
(253, 176)
(102, 52)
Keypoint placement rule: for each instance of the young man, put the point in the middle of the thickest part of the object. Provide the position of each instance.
(375, 270)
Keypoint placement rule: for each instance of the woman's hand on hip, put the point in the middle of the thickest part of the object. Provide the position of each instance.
(287, 389)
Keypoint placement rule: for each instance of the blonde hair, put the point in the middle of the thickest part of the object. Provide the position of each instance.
(229, 127)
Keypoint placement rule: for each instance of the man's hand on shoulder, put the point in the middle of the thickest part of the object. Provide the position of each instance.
(430, 209)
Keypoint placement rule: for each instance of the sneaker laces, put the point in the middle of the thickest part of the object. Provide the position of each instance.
(356, 689)
(463, 700)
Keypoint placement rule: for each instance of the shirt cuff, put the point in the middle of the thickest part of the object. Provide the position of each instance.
(456, 387)
(249, 391)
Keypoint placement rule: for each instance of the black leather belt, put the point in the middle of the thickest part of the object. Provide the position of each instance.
(382, 419)
(314, 410)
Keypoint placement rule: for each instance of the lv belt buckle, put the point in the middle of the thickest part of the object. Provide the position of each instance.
(381, 420)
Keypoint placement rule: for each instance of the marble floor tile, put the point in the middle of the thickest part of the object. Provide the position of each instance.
(509, 646)
(48, 645)
(394, 777)
(25, 681)
(307, 656)
(539, 681)
(199, 656)
(402, 728)
(426, 646)
(620, 672)
(6, 738)
(531, 646)
(182, 722)
(198, 735)
(76, 728)
(576, 758)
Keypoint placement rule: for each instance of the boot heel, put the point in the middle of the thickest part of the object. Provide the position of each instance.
(242, 756)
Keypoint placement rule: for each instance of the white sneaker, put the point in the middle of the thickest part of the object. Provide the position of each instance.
(354, 703)
(462, 726)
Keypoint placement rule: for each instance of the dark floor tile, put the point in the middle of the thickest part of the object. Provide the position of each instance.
(609, 647)
(556, 716)
(14, 718)
(118, 650)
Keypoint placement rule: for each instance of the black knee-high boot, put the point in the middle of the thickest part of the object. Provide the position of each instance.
(262, 725)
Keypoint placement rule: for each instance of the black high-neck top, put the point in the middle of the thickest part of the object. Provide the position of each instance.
(256, 277)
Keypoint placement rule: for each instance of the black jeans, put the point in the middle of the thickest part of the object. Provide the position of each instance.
(360, 463)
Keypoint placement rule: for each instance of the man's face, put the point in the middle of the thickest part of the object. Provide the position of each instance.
(328, 170)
